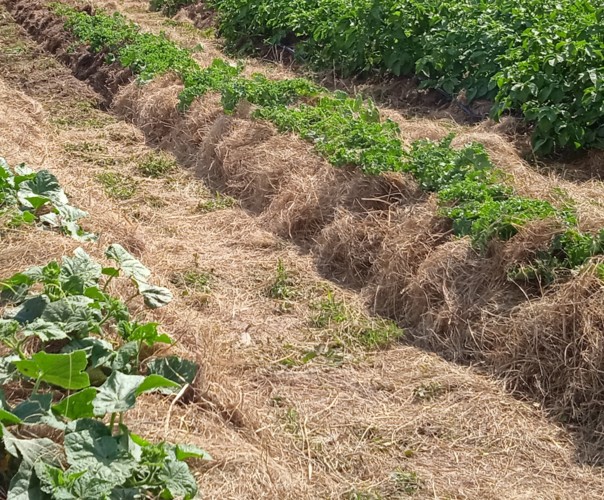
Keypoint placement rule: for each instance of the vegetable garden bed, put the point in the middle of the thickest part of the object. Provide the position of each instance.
(446, 290)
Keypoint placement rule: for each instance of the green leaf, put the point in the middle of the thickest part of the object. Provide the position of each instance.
(139, 440)
(153, 382)
(82, 266)
(20, 218)
(15, 288)
(112, 272)
(63, 370)
(44, 330)
(154, 296)
(30, 450)
(130, 266)
(126, 358)
(174, 368)
(6, 417)
(185, 451)
(43, 185)
(31, 309)
(146, 333)
(7, 368)
(8, 329)
(119, 391)
(117, 394)
(99, 351)
(57, 483)
(178, 480)
(24, 485)
(74, 315)
(78, 405)
(90, 446)
(126, 494)
(34, 409)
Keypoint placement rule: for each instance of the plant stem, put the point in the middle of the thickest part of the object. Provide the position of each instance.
(36, 386)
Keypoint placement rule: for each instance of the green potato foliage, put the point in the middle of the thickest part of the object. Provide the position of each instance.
(349, 132)
(541, 58)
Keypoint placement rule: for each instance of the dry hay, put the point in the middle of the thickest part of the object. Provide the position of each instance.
(552, 348)
(412, 233)
(253, 159)
(26, 117)
(451, 292)
(347, 248)
(306, 202)
(442, 288)
(151, 107)
(528, 242)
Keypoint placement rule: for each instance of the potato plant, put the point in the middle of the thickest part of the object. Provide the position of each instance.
(349, 132)
(542, 58)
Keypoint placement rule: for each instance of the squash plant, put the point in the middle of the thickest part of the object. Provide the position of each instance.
(76, 349)
(28, 197)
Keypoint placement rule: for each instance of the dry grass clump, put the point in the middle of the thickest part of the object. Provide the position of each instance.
(450, 293)
(412, 233)
(152, 107)
(346, 249)
(306, 202)
(253, 159)
(380, 193)
(524, 246)
(553, 349)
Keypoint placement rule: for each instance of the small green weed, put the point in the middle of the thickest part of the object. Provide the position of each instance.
(197, 280)
(282, 287)
(405, 481)
(156, 164)
(330, 311)
(84, 147)
(81, 114)
(117, 186)
(90, 152)
(429, 391)
(379, 333)
(352, 328)
(15, 49)
(292, 421)
(218, 202)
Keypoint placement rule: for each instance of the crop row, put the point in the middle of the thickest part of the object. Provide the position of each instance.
(75, 350)
(472, 193)
(542, 58)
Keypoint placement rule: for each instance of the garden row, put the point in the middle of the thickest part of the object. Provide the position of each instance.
(76, 351)
(472, 193)
(542, 58)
